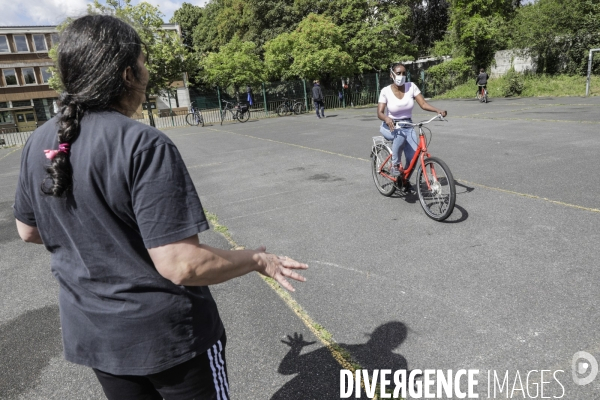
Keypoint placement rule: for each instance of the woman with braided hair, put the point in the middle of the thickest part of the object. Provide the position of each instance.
(112, 201)
(396, 103)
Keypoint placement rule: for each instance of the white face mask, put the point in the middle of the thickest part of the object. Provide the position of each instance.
(398, 79)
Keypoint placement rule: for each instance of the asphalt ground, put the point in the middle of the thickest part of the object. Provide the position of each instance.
(509, 283)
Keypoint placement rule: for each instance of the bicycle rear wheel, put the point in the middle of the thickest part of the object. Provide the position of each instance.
(192, 120)
(223, 114)
(299, 108)
(438, 198)
(385, 186)
(201, 119)
(485, 96)
(282, 110)
(243, 116)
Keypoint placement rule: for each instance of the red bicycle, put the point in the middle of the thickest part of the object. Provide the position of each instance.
(435, 184)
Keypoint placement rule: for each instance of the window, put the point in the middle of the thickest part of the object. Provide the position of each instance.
(10, 77)
(3, 104)
(4, 45)
(29, 76)
(40, 43)
(21, 103)
(21, 43)
(6, 117)
(44, 109)
(46, 74)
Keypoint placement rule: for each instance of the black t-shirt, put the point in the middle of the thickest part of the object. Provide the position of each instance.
(131, 192)
(482, 79)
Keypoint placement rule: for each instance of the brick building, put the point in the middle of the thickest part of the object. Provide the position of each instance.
(26, 100)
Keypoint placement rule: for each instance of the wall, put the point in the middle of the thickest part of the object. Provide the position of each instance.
(503, 60)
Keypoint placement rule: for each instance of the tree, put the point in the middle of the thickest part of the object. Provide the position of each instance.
(477, 29)
(168, 58)
(380, 38)
(314, 49)
(187, 17)
(235, 64)
(558, 44)
(430, 21)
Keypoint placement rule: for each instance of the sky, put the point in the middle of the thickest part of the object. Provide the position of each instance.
(53, 12)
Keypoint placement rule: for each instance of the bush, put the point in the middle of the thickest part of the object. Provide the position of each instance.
(449, 74)
(514, 83)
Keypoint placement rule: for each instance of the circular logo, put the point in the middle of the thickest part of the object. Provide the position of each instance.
(584, 364)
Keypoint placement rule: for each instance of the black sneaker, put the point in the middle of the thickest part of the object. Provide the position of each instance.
(407, 187)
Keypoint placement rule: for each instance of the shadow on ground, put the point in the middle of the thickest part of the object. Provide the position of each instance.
(318, 374)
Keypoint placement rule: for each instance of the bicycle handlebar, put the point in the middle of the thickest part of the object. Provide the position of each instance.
(439, 116)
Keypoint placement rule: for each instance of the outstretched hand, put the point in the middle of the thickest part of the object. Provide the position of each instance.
(297, 342)
(279, 268)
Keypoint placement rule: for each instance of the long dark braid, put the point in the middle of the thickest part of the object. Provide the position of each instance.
(93, 53)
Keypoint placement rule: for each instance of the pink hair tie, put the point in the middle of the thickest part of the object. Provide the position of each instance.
(62, 148)
(50, 154)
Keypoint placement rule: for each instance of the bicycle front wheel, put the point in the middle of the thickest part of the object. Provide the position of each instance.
(243, 116)
(436, 190)
(381, 162)
(282, 110)
(192, 120)
(299, 109)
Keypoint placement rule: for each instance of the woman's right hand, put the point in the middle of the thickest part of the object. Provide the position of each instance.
(278, 267)
(390, 123)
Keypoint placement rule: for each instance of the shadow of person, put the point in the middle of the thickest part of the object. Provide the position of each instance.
(318, 373)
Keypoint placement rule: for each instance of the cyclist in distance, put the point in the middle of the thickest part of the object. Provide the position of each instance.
(396, 102)
(481, 80)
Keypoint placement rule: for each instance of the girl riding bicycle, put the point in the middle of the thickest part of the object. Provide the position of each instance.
(399, 99)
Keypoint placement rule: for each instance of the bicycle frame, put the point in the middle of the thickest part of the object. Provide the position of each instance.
(420, 155)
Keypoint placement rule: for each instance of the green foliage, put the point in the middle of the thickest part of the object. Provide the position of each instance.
(514, 83)
(477, 29)
(558, 34)
(450, 73)
(535, 85)
(168, 58)
(187, 17)
(314, 49)
(235, 64)
(378, 41)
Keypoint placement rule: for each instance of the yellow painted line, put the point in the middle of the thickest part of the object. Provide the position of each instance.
(291, 144)
(530, 119)
(342, 356)
(531, 196)
(459, 180)
(6, 155)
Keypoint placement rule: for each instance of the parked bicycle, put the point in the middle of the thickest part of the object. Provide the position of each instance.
(290, 106)
(435, 184)
(238, 111)
(194, 118)
(482, 94)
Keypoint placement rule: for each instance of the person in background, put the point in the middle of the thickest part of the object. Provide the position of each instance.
(112, 201)
(396, 103)
(250, 97)
(481, 80)
(318, 99)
